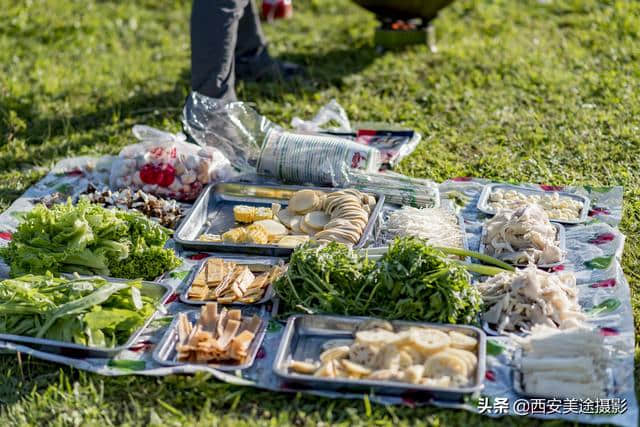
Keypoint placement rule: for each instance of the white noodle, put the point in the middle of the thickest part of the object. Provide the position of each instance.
(438, 226)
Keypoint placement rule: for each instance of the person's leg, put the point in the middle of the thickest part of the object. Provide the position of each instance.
(214, 34)
(253, 61)
(251, 41)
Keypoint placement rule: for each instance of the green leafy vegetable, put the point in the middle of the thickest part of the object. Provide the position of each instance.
(88, 311)
(89, 239)
(410, 281)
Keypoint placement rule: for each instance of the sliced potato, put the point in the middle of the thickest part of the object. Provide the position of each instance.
(285, 216)
(404, 359)
(327, 370)
(295, 223)
(338, 342)
(316, 220)
(362, 354)
(306, 229)
(388, 358)
(303, 201)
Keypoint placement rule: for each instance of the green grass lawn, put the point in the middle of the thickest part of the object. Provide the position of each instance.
(532, 91)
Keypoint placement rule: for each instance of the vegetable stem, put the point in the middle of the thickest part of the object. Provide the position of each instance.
(473, 254)
(485, 270)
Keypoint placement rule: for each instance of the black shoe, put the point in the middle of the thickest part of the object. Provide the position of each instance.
(262, 67)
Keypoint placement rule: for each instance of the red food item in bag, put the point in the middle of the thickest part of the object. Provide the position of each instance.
(165, 165)
(150, 174)
(167, 175)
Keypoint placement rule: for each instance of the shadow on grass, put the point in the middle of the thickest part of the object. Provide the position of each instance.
(37, 128)
(20, 121)
(322, 70)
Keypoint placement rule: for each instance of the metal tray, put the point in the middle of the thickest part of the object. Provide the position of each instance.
(486, 191)
(250, 261)
(560, 238)
(304, 336)
(213, 213)
(78, 350)
(165, 352)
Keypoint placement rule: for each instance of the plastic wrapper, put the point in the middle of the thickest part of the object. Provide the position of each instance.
(398, 189)
(234, 128)
(314, 159)
(255, 144)
(394, 142)
(332, 112)
(166, 165)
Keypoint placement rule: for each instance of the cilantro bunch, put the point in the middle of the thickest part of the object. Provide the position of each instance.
(411, 281)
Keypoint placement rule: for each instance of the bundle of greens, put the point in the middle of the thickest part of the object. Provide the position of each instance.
(89, 239)
(411, 281)
(87, 311)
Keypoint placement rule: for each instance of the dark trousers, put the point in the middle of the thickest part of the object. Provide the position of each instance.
(222, 31)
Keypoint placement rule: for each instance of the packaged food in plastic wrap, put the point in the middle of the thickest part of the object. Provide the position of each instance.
(398, 189)
(166, 165)
(393, 142)
(255, 144)
(234, 128)
(316, 159)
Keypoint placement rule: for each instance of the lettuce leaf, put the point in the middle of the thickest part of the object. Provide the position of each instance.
(88, 239)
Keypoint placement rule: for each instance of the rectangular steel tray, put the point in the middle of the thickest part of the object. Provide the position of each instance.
(303, 338)
(165, 352)
(243, 260)
(486, 191)
(78, 350)
(213, 213)
(560, 238)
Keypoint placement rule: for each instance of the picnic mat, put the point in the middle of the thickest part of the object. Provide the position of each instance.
(594, 252)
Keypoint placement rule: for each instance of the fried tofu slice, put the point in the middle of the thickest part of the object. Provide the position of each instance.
(240, 345)
(215, 270)
(201, 278)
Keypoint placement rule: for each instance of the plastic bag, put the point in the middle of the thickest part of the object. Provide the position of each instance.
(255, 144)
(393, 142)
(234, 128)
(331, 112)
(398, 189)
(166, 165)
